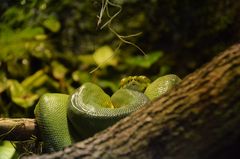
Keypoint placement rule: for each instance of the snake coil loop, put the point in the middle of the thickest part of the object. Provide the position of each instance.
(64, 119)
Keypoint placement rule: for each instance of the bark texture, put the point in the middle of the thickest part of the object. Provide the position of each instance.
(17, 129)
(198, 120)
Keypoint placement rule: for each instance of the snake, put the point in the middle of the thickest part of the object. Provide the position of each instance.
(64, 119)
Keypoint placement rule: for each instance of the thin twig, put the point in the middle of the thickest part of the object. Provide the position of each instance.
(105, 9)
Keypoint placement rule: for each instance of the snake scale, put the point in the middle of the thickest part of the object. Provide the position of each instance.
(64, 119)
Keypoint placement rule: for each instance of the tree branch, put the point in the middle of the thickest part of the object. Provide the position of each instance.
(17, 129)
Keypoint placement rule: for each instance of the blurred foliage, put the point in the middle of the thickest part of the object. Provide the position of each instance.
(7, 150)
(37, 56)
(52, 47)
(55, 47)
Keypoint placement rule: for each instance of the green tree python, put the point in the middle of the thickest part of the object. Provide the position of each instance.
(64, 119)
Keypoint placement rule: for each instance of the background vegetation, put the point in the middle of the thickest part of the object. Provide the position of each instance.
(49, 46)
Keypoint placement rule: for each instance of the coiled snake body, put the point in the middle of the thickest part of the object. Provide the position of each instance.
(65, 119)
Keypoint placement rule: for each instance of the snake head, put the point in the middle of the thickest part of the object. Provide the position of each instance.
(137, 83)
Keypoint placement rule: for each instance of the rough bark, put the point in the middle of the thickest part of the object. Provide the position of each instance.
(198, 120)
(17, 129)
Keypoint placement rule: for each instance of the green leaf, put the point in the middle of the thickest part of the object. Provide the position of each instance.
(59, 70)
(144, 61)
(86, 59)
(14, 44)
(13, 15)
(104, 56)
(81, 77)
(6, 150)
(35, 80)
(165, 69)
(29, 33)
(108, 84)
(3, 81)
(52, 24)
(20, 95)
